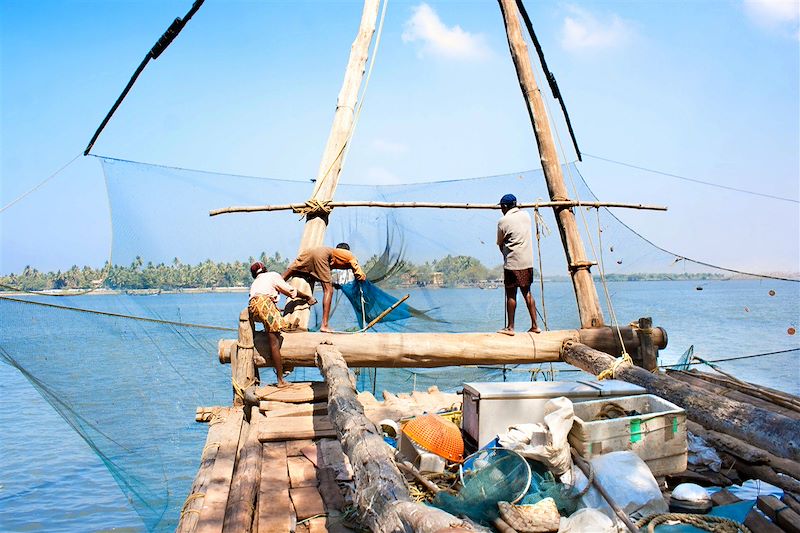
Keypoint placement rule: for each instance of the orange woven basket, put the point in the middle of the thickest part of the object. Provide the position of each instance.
(437, 435)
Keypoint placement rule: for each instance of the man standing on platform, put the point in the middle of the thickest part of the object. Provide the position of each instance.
(316, 264)
(514, 241)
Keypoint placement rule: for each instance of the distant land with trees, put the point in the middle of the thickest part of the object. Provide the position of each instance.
(449, 271)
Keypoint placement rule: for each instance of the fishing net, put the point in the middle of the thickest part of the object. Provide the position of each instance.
(129, 370)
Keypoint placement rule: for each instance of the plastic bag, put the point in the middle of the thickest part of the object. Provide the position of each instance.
(629, 482)
(701, 453)
(585, 520)
(547, 442)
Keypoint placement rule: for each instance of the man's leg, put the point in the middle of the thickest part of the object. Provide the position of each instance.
(275, 354)
(511, 309)
(327, 298)
(531, 303)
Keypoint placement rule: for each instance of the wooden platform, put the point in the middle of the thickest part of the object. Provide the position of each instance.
(301, 480)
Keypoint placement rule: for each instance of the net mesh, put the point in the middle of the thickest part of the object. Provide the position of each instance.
(130, 387)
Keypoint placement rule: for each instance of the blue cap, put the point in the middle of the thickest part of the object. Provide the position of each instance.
(508, 199)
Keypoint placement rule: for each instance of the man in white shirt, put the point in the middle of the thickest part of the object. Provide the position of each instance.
(264, 294)
(515, 243)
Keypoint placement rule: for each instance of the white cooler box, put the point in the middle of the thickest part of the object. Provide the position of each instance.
(491, 408)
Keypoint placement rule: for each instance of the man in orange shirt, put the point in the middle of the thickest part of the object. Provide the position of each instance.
(316, 265)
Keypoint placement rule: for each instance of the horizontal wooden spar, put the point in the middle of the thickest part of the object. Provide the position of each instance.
(429, 350)
(431, 205)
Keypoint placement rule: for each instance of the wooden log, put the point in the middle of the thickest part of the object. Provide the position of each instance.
(744, 451)
(585, 292)
(428, 350)
(430, 205)
(381, 494)
(274, 505)
(691, 377)
(332, 158)
(647, 351)
(724, 497)
(775, 433)
(778, 398)
(191, 508)
(246, 479)
(768, 474)
(243, 368)
(212, 513)
(779, 513)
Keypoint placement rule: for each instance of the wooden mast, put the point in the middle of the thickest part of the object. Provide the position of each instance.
(588, 304)
(331, 163)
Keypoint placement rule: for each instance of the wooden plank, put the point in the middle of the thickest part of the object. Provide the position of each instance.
(246, 478)
(333, 456)
(294, 447)
(212, 514)
(312, 453)
(294, 393)
(295, 428)
(302, 472)
(724, 497)
(329, 490)
(293, 409)
(307, 502)
(274, 505)
(757, 522)
(780, 513)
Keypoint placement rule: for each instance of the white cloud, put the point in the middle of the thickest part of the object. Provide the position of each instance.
(437, 39)
(584, 31)
(384, 146)
(781, 15)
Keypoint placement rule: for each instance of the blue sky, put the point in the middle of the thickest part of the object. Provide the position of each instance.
(707, 90)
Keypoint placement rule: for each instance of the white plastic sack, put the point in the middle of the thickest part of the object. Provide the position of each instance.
(547, 442)
(701, 453)
(629, 482)
(585, 520)
(753, 488)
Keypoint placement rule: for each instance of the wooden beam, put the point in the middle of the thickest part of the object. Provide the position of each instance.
(381, 492)
(331, 164)
(588, 304)
(431, 205)
(428, 350)
(775, 433)
(246, 479)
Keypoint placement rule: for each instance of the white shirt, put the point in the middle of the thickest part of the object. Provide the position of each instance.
(514, 239)
(267, 284)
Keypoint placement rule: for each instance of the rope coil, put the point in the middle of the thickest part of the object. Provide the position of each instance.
(618, 362)
(715, 524)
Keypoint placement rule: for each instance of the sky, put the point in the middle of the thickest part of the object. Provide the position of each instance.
(708, 90)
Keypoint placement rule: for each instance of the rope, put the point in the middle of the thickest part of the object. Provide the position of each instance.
(118, 315)
(190, 499)
(618, 362)
(715, 524)
(40, 184)
(314, 207)
(693, 180)
(537, 217)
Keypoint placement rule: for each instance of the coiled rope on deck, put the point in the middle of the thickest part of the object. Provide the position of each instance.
(715, 524)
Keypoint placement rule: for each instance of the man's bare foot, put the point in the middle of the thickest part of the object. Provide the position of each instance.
(507, 331)
(282, 384)
(325, 329)
(535, 329)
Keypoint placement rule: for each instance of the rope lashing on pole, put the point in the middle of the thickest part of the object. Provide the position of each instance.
(314, 208)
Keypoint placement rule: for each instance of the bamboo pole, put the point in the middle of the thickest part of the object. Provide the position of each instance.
(331, 164)
(588, 304)
(770, 431)
(428, 350)
(381, 493)
(431, 205)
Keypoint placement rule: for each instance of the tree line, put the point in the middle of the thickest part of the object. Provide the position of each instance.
(458, 270)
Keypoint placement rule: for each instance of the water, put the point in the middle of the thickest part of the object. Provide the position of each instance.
(51, 480)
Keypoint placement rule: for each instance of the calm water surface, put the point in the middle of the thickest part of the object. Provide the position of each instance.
(50, 479)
